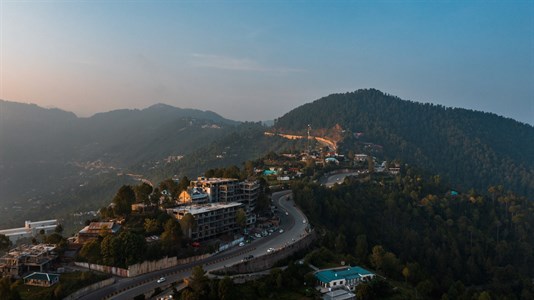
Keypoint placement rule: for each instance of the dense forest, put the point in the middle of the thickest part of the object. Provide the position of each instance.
(468, 148)
(412, 228)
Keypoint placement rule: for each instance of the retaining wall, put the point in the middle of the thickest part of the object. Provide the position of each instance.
(142, 268)
(91, 288)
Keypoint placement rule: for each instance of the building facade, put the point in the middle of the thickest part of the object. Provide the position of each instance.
(211, 220)
(26, 258)
(230, 190)
(30, 229)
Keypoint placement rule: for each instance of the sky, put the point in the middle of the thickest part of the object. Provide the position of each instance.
(256, 60)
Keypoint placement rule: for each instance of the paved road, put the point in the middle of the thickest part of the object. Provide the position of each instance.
(294, 225)
(340, 177)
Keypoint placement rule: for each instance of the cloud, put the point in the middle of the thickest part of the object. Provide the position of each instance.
(235, 64)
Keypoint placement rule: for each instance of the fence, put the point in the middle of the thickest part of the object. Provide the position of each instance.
(142, 268)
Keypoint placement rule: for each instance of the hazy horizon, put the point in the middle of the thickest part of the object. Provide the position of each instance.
(256, 61)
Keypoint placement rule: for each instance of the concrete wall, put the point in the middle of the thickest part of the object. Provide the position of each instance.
(142, 268)
(104, 269)
(93, 287)
(267, 261)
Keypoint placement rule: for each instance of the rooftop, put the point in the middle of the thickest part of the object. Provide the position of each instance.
(215, 180)
(30, 250)
(202, 208)
(42, 276)
(97, 226)
(346, 273)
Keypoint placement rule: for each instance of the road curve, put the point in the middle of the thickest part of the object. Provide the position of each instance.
(294, 225)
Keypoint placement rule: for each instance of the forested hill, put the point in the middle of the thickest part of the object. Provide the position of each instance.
(466, 147)
(32, 133)
(72, 161)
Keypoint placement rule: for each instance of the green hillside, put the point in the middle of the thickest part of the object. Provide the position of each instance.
(468, 148)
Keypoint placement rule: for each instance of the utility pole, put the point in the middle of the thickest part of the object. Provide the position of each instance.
(309, 147)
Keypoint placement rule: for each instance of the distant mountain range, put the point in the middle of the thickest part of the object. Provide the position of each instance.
(123, 137)
(47, 155)
(52, 157)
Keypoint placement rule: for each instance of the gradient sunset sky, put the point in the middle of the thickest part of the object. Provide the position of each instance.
(256, 60)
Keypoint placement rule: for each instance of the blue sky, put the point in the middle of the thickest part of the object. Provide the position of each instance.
(256, 60)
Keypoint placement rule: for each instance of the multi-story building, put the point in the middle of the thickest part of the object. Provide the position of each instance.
(218, 189)
(30, 229)
(231, 190)
(211, 219)
(26, 258)
(249, 192)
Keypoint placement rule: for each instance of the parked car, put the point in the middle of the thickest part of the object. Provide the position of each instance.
(162, 279)
(241, 244)
(270, 250)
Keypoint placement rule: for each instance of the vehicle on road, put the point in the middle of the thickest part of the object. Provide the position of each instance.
(304, 221)
(248, 257)
(281, 231)
(241, 244)
(162, 279)
(270, 250)
(287, 214)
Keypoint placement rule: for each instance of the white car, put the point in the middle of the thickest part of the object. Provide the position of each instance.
(241, 244)
(281, 231)
(162, 279)
(270, 250)
(304, 221)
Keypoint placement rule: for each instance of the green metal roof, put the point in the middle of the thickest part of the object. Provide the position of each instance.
(42, 276)
(343, 273)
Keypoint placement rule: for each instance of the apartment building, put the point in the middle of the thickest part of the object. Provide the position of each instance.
(211, 219)
(221, 190)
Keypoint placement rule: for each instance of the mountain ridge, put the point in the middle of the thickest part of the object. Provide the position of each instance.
(459, 144)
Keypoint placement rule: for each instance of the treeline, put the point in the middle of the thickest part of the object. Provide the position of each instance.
(130, 246)
(413, 229)
(469, 148)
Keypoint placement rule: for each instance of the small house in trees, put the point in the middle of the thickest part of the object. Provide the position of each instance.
(41, 279)
(342, 278)
(96, 229)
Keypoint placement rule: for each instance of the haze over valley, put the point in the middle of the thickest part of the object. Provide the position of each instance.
(267, 150)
